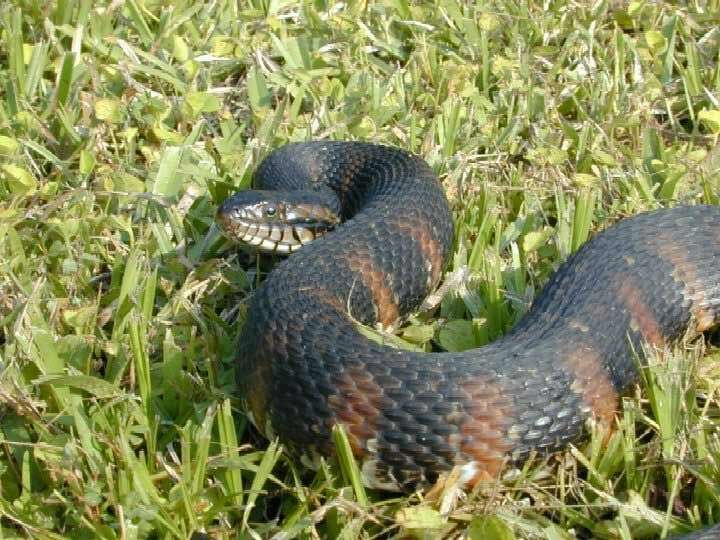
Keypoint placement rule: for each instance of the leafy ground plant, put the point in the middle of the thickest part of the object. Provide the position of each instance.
(124, 124)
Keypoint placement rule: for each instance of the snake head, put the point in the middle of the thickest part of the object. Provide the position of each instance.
(276, 221)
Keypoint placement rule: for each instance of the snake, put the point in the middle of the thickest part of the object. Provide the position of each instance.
(370, 232)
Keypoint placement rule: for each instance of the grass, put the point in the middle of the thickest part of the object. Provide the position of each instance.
(124, 124)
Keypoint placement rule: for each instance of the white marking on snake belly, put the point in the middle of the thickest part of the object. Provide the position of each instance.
(468, 471)
(429, 269)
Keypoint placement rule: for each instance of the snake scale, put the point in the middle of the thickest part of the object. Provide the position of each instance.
(304, 366)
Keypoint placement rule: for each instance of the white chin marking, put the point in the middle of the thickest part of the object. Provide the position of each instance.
(276, 234)
(255, 241)
(304, 235)
(267, 245)
(282, 248)
(287, 237)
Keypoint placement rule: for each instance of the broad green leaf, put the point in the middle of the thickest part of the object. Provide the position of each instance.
(457, 335)
(711, 119)
(19, 180)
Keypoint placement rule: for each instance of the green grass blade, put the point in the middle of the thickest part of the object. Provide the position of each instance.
(348, 466)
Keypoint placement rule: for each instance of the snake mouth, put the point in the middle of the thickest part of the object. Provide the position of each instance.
(275, 227)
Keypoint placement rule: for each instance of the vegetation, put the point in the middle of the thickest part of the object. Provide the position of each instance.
(124, 124)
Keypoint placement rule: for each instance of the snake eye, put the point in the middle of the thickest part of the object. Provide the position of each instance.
(270, 211)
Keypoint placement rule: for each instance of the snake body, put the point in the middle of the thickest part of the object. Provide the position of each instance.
(304, 366)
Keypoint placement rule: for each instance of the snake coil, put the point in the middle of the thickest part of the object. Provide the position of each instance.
(304, 366)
